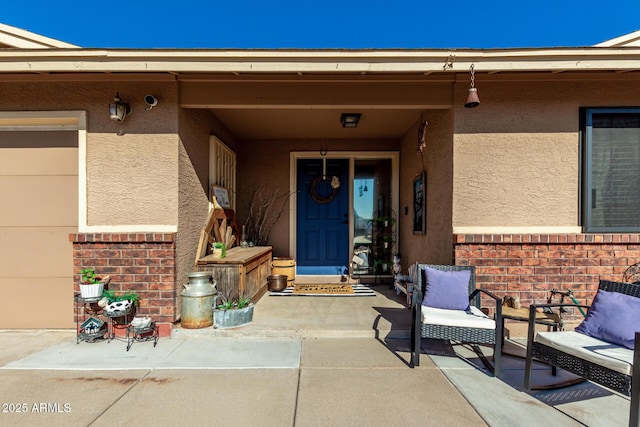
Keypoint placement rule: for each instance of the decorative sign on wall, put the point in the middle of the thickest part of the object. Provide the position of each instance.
(222, 196)
(419, 203)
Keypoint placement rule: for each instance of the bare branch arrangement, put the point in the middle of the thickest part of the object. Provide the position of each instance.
(265, 209)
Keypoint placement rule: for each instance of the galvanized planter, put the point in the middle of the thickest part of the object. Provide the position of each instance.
(233, 317)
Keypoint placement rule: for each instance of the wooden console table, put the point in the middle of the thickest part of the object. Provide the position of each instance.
(243, 270)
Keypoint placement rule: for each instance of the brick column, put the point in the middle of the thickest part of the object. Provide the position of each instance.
(141, 262)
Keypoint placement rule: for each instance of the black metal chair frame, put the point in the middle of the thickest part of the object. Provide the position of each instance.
(616, 381)
(472, 336)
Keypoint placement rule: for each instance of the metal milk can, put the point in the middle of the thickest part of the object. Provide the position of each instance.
(197, 300)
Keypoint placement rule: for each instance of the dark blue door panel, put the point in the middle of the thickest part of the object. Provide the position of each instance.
(322, 228)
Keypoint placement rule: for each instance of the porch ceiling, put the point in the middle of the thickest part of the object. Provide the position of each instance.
(308, 123)
(298, 108)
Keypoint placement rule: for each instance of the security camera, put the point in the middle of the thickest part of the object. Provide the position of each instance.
(151, 101)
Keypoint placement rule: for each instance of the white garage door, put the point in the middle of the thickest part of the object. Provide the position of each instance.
(38, 211)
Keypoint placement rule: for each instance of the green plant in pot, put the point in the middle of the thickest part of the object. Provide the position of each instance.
(381, 265)
(232, 310)
(119, 306)
(219, 250)
(91, 286)
(111, 296)
(387, 240)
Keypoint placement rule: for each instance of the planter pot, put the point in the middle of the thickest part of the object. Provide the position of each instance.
(231, 318)
(217, 252)
(120, 312)
(277, 282)
(91, 290)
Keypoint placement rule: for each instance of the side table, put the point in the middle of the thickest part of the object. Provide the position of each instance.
(551, 320)
(522, 314)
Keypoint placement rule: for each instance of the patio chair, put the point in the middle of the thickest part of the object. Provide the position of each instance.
(467, 325)
(605, 363)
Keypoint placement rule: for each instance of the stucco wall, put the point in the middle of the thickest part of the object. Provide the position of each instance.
(131, 165)
(131, 179)
(519, 164)
(266, 163)
(516, 156)
(196, 126)
(435, 246)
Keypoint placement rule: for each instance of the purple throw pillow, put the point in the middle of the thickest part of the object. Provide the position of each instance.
(446, 289)
(613, 317)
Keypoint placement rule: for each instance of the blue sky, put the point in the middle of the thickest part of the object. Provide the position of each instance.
(325, 24)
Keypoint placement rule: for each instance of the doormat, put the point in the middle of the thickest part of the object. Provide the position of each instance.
(326, 290)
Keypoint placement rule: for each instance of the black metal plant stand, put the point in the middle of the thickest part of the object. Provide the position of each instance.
(119, 321)
(89, 333)
(149, 333)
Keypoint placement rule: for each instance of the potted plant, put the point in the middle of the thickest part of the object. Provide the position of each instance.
(119, 306)
(383, 221)
(91, 286)
(381, 266)
(111, 296)
(219, 250)
(232, 311)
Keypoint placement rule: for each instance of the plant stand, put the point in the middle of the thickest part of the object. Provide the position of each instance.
(92, 328)
(150, 333)
(119, 321)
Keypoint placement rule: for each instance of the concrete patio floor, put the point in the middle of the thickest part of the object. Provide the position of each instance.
(303, 361)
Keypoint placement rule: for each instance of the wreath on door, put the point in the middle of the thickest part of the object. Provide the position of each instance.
(324, 199)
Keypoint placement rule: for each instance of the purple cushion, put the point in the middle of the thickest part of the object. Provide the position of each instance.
(446, 289)
(613, 317)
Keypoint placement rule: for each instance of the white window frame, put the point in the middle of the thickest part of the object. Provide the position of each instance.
(222, 168)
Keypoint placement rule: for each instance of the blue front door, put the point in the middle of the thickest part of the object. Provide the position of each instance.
(322, 216)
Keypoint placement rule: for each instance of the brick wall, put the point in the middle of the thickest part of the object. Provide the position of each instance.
(141, 262)
(530, 265)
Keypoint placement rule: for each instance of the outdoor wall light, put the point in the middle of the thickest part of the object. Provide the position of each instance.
(472, 97)
(350, 120)
(118, 110)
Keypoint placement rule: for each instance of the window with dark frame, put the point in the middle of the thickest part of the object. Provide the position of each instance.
(611, 197)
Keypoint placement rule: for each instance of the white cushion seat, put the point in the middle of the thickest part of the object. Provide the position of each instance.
(593, 350)
(472, 318)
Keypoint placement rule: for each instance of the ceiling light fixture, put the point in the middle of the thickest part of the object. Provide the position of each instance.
(350, 120)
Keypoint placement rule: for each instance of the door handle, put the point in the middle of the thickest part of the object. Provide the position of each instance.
(344, 222)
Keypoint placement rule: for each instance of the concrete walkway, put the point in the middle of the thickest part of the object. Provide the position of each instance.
(189, 381)
(303, 361)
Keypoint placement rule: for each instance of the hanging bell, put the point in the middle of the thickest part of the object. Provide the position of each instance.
(472, 98)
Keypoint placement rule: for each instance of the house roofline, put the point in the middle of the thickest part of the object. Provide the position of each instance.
(631, 39)
(13, 37)
(329, 61)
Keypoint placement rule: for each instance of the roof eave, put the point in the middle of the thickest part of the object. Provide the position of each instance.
(318, 61)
